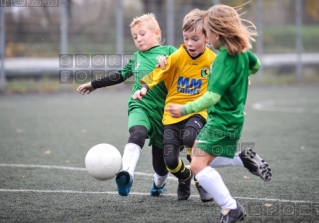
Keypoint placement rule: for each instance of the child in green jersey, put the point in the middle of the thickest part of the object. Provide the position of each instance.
(183, 76)
(145, 116)
(225, 100)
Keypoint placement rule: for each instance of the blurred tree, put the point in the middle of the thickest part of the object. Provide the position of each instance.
(77, 28)
(151, 6)
(235, 3)
(200, 4)
(312, 7)
(158, 8)
(50, 30)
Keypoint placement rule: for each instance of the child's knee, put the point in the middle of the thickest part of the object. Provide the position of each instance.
(138, 135)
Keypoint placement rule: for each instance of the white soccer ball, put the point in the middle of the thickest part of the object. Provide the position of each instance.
(103, 161)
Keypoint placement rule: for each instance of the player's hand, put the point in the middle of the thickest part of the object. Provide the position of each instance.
(85, 88)
(161, 62)
(139, 94)
(174, 110)
(248, 81)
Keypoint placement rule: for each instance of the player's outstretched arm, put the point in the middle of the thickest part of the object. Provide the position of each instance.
(174, 110)
(85, 88)
(109, 80)
(207, 100)
(139, 94)
(162, 62)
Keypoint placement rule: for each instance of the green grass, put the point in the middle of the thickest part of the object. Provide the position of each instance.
(307, 31)
(282, 39)
(271, 79)
(42, 85)
(57, 129)
(32, 85)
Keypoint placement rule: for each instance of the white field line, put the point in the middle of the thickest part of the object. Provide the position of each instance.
(68, 168)
(146, 194)
(42, 166)
(112, 192)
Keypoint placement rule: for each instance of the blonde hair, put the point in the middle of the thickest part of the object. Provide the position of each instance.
(226, 22)
(150, 20)
(193, 21)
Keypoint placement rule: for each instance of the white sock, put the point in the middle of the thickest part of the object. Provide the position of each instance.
(160, 180)
(130, 157)
(212, 182)
(220, 161)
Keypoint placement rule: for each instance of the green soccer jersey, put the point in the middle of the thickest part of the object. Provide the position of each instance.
(140, 64)
(230, 80)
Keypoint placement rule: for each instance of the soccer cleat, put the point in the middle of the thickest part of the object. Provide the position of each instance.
(234, 215)
(156, 191)
(204, 196)
(124, 182)
(255, 164)
(184, 187)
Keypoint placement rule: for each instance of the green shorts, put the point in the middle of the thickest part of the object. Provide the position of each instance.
(216, 142)
(138, 116)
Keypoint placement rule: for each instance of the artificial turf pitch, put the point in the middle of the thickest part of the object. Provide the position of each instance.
(45, 137)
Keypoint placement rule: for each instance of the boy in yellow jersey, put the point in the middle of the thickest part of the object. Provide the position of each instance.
(186, 78)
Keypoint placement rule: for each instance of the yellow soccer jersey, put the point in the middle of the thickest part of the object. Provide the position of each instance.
(186, 79)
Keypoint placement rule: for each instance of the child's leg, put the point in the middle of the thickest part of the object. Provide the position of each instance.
(172, 144)
(138, 126)
(174, 164)
(191, 129)
(246, 158)
(220, 161)
(133, 148)
(212, 182)
(176, 167)
(160, 171)
(210, 179)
